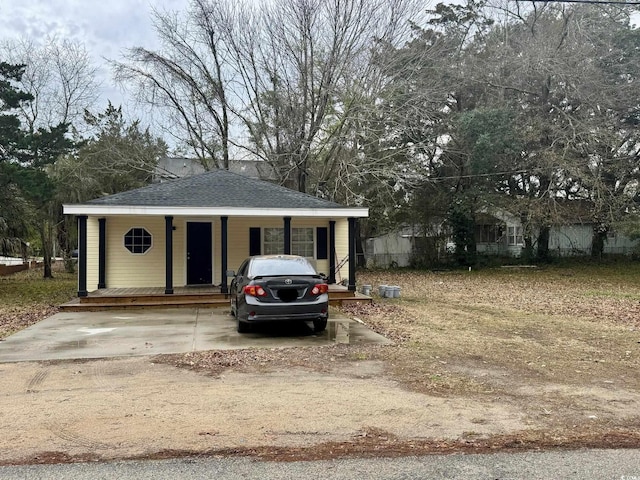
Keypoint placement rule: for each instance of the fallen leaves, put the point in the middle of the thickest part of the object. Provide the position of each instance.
(18, 319)
(26, 298)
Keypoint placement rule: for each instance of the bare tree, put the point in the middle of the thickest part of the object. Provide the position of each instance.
(278, 80)
(306, 69)
(187, 81)
(59, 75)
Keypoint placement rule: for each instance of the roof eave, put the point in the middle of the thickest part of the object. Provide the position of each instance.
(107, 210)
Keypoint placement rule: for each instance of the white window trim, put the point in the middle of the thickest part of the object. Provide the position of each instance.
(134, 253)
(515, 236)
(315, 240)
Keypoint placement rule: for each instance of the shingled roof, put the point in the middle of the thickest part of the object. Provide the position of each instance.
(217, 188)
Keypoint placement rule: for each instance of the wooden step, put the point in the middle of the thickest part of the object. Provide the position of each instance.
(354, 298)
(76, 306)
(152, 298)
(204, 300)
(341, 294)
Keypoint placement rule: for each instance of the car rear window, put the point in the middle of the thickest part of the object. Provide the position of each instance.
(280, 266)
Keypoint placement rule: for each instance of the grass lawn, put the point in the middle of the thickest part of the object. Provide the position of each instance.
(26, 297)
(561, 344)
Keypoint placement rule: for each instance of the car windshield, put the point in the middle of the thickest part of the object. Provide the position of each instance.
(263, 267)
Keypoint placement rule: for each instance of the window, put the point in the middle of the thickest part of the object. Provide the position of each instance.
(488, 233)
(514, 235)
(137, 240)
(279, 266)
(273, 241)
(302, 241)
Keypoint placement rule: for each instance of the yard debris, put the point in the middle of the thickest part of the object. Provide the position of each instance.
(14, 320)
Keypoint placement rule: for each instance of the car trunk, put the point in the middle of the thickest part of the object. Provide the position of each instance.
(286, 289)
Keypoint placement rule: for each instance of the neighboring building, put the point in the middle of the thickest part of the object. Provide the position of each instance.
(408, 246)
(501, 233)
(170, 168)
(392, 249)
(497, 232)
(191, 230)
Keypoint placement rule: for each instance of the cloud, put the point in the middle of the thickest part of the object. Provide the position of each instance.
(106, 28)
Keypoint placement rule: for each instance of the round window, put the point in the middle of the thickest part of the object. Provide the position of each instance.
(137, 240)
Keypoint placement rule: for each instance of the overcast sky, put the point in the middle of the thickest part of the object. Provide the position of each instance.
(105, 27)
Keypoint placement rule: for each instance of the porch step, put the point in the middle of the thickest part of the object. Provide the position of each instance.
(342, 298)
(96, 304)
(147, 298)
(178, 300)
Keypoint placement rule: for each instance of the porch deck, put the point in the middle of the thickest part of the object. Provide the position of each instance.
(185, 297)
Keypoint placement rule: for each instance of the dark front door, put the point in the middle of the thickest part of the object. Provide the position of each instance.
(199, 253)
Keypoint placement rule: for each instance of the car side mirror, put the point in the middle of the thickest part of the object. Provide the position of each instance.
(231, 273)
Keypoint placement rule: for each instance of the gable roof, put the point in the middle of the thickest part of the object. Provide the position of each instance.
(218, 192)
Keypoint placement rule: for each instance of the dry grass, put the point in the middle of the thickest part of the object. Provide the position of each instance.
(561, 343)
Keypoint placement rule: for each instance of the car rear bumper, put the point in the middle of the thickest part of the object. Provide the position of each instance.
(271, 317)
(257, 312)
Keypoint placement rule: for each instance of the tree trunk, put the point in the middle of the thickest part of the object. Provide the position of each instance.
(597, 241)
(543, 243)
(64, 235)
(527, 251)
(47, 248)
(527, 235)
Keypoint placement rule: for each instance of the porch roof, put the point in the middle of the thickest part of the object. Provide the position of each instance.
(215, 193)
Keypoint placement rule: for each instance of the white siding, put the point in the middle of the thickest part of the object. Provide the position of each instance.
(576, 240)
(570, 240)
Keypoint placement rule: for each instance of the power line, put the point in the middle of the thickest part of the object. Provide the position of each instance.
(478, 175)
(595, 2)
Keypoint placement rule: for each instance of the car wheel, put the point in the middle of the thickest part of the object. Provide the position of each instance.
(319, 325)
(234, 308)
(243, 327)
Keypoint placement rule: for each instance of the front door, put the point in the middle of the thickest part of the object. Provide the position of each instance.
(199, 253)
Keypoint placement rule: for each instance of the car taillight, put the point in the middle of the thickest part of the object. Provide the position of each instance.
(255, 291)
(319, 289)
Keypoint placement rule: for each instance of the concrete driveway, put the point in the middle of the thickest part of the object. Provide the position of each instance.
(77, 335)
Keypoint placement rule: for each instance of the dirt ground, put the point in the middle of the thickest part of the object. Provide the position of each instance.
(509, 359)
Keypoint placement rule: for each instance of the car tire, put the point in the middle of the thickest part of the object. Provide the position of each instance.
(319, 325)
(243, 327)
(234, 308)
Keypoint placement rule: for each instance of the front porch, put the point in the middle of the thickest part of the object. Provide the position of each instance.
(182, 297)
